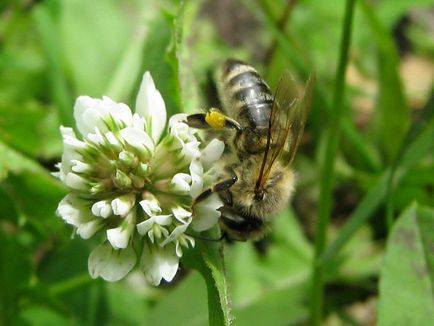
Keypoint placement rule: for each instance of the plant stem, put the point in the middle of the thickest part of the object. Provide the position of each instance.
(72, 283)
(326, 182)
(281, 24)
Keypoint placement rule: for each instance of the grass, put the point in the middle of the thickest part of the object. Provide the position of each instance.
(379, 166)
(328, 168)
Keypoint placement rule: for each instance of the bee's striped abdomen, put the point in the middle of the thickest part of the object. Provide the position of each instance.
(245, 95)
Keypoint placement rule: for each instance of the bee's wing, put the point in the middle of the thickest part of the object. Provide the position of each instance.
(286, 124)
(297, 119)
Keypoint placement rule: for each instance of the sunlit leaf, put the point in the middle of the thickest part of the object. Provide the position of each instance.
(184, 306)
(407, 276)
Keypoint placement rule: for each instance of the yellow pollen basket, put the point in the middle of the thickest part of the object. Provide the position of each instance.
(215, 120)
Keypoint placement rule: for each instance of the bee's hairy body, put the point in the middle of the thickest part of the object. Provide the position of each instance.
(247, 98)
(255, 182)
(247, 218)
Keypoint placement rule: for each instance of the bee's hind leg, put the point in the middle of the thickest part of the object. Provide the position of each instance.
(213, 119)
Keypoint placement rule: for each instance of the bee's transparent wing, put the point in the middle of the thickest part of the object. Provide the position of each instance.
(286, 124)
(278, 128)
(297, 120)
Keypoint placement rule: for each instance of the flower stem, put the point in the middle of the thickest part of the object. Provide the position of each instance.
(71, 284)
(208, 259)
(327, 175)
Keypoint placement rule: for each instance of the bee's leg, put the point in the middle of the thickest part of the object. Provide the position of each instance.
(222, 188)
(214, 120)
(226, 196)
(223, 236)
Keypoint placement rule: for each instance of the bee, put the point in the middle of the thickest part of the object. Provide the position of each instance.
(262, 133)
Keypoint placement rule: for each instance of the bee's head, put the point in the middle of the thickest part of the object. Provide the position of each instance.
(259, 194)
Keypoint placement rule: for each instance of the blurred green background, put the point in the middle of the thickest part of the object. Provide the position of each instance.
(53, 51)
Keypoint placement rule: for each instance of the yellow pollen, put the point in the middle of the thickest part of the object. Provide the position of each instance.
(215, 119)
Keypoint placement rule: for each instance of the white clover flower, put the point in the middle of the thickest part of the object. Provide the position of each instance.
(134, 185)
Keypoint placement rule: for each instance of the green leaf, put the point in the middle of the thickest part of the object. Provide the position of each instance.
(22, 74)
(15, 275)
(208, 260)
(20, 123)
(392, 114)
(12, 161)
(144, 48)
(300, 58)
(37, 315)
(414, 152)
(71, 290)
(183, 37)
(50, 41)
(184, 305)
(127, 305)
(93, 37)
(180, 56)
(407, 276)
(282, 306)
(422, 121)
(219, 301)
(391, 11)
(128, 70)
(30, 189)
(327, 169)
(361, 257)
(271, 288)
(157, 60)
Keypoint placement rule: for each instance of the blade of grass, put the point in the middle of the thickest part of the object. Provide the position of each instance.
(281, 24)
(183, 35)
(128, 70)
(392, 114)
(416, 128)
(12, 161)
(419, 147)
(365, 150)
(50, 42)
(300, 59)
(327, 173)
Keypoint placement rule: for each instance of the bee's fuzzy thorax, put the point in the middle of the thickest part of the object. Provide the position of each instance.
(277, 189)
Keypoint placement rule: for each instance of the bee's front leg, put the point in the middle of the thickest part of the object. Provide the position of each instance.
(213, 119)
(222, 188)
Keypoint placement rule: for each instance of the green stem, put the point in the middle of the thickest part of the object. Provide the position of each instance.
(327, 175)
(281, 25)
(418, 143)
(302, 61)
(71, 284)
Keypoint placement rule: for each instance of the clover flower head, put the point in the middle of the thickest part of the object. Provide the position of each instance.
(134, 185)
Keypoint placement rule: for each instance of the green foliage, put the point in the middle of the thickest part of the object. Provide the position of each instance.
(366, 159)
(209, 262)
(407, 276)
(327, 173)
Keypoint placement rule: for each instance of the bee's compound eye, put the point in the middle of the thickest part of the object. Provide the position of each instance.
(259, 195)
